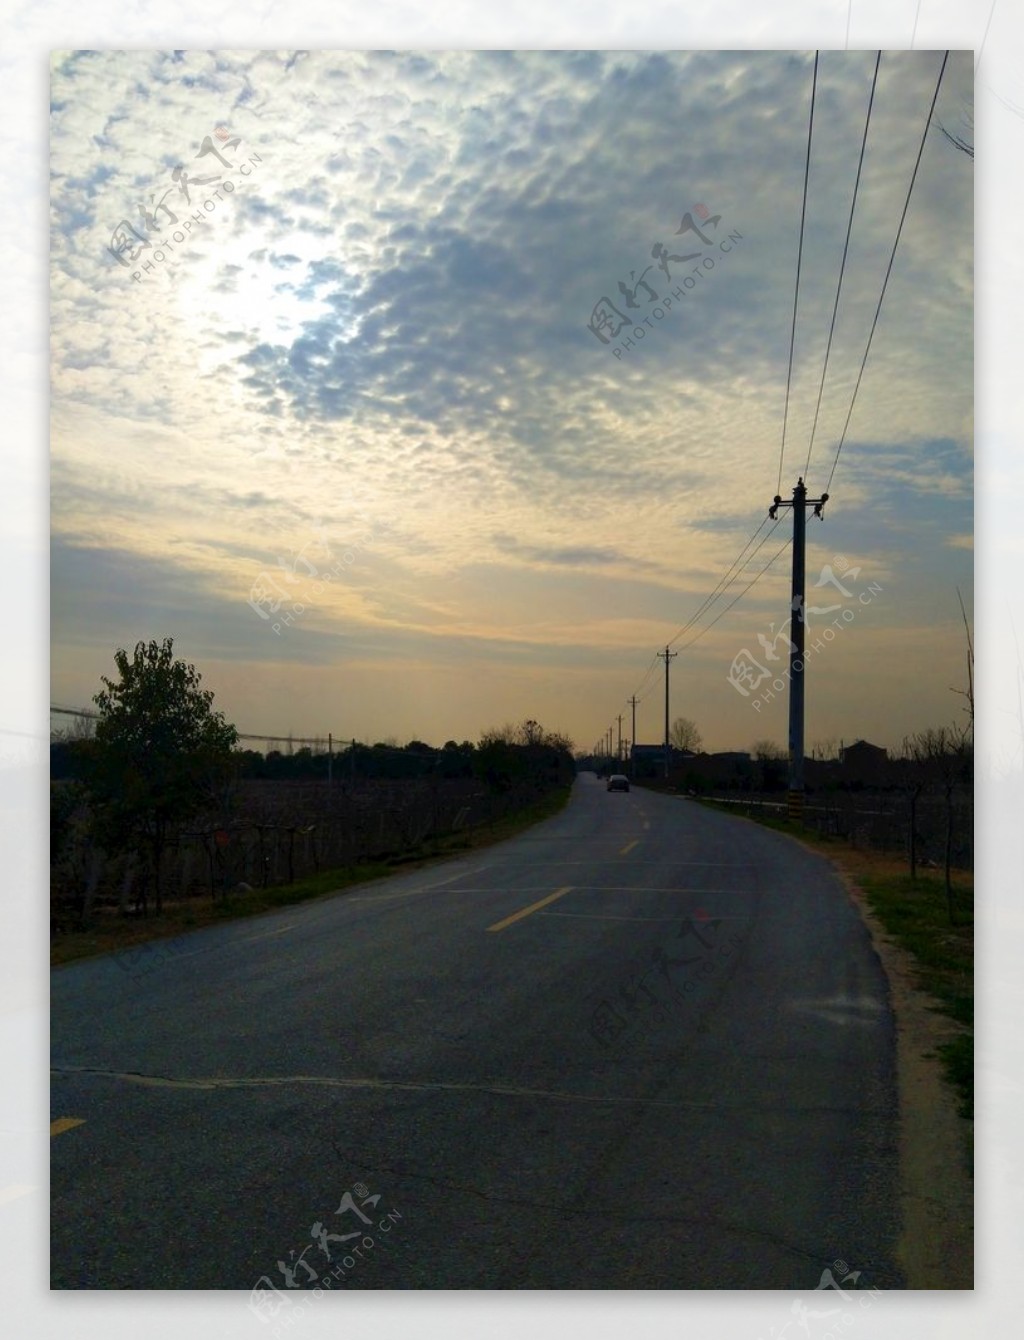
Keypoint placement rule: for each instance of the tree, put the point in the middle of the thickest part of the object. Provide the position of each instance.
(513, 756)
(684, 735)
(946, 755)
(771, 759)
(81, 727)
(767, 751)
(967, 693)
(160, 751)
(908, 769)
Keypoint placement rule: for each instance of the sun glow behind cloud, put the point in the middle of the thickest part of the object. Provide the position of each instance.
(383, 331)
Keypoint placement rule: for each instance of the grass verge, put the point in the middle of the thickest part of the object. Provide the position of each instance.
(112, 933)
(916, 915)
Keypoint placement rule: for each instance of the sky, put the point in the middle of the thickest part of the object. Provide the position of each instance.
(362, 443)
(159, 424)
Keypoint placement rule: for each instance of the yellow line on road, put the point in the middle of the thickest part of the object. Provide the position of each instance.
(534, 907)
(63, 1124)
(629, 847)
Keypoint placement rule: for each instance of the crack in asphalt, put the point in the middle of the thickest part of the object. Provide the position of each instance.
(214, 1082)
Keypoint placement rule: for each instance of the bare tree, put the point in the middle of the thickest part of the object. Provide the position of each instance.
(769, 757)
(767, 751)
(684, 735)
(530, 732)
(507, 734)
(81, 727)
(967, 693)
(909, 760)
(946, 757)
(825, 751)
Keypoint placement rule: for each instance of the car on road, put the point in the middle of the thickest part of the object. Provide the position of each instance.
(617, 782)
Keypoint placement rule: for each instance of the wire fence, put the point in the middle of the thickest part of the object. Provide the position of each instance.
(881, 821)
(265, 833)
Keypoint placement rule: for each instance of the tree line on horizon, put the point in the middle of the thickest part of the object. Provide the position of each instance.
(158, 754)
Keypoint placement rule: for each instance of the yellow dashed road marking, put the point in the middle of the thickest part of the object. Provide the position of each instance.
(534, 907)
(63, 1124)
(629, 847)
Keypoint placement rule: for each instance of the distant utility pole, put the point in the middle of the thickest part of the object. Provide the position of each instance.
(667, 656)
(330, 760)
(618, 752)
(632, 757)
(800, 502)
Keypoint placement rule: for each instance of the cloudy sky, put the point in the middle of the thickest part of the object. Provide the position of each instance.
(356, 442)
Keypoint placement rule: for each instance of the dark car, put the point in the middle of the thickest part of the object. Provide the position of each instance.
(616, 782)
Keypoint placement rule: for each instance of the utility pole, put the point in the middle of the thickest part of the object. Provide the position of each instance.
(618, 752)
(330, 761)
(632, 757)
(667, 656)
(797, 627)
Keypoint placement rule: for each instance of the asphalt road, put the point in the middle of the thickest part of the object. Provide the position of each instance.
(643, 1045)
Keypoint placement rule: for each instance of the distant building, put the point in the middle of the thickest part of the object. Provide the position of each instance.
(649, 759)
(863, 762)
(730, 768)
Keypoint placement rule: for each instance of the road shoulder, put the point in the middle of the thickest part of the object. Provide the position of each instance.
(936, 1244)
(935, 1248)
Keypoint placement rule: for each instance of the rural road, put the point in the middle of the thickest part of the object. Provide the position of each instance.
(642, 1045)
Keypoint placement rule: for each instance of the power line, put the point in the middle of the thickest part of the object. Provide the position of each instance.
(242, 735)
(799, 258)
(888, 270)
(738, 598)
(647, 674)
(842, 266)
(735, 601)
(723, 584)
(738, 564)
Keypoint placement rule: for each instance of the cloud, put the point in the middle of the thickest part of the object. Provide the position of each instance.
(387, 318)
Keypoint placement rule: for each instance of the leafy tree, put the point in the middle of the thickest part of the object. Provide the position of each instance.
(160, 751)
(512, 756)
(684, 735)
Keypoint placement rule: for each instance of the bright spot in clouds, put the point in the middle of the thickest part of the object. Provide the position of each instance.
(384, 328)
